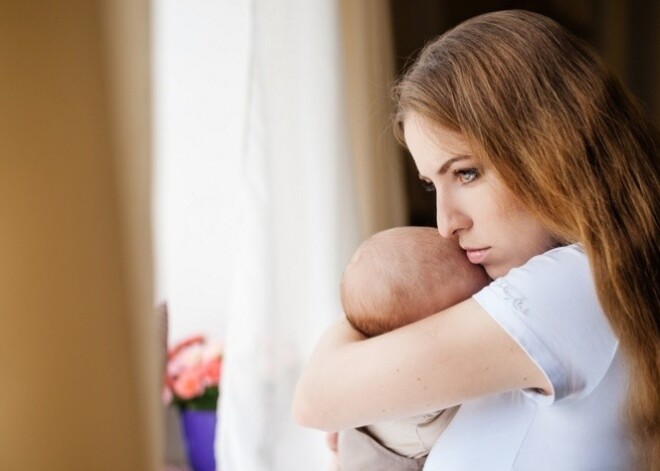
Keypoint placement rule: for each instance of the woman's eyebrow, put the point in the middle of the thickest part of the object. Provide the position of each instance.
(449, 162)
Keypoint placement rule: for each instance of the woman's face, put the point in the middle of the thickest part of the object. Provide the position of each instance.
(473, 204)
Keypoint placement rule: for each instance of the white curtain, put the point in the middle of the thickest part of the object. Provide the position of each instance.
(296, 225)
(200, 74)
(199, 87)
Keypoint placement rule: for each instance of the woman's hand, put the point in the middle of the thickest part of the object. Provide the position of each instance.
(331, 440)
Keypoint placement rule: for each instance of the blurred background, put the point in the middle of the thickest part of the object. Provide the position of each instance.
(224, 158)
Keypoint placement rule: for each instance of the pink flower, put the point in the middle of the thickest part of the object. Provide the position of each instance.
(185, 343)
(190, 384)
(212, 350)
(193, 366)
(211, 372)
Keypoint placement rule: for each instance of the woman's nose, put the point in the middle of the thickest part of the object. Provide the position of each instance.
(450, 219)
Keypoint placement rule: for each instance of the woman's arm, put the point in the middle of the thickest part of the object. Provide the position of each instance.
(452, 356)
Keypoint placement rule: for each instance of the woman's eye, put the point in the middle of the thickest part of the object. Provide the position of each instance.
(466, 175)
(427, 185)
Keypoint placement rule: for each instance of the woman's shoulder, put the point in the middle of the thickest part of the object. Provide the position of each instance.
(550, 307)
(562, 273)
(561, 259)
(570, 250)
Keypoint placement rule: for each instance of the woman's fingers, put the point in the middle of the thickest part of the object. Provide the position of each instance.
(331, 440)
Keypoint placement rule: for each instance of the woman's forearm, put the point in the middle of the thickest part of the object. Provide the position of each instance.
(435, 363)
(350, 381)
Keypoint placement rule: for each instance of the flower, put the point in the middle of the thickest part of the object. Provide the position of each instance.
(192, 377)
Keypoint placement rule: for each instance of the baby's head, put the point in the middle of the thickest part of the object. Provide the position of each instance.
(401, 275)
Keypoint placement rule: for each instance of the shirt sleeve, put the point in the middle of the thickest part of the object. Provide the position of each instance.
(550, 308)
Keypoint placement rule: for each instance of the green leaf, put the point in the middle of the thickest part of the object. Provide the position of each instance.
(207, 401)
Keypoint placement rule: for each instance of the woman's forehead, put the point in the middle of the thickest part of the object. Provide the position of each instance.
(428, 136)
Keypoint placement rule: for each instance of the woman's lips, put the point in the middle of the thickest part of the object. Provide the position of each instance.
(476, 255)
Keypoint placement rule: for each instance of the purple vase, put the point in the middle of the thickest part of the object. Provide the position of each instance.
(199, 436)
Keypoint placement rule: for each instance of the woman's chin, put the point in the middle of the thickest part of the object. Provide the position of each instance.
(496, 271)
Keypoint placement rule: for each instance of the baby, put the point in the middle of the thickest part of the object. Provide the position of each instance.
(397, 277)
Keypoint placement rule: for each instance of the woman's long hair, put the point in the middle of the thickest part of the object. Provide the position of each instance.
(538, 106)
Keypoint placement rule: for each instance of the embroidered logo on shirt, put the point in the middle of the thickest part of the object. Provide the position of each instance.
(509, 294)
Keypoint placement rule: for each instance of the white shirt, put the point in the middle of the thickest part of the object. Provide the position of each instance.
(550, 308)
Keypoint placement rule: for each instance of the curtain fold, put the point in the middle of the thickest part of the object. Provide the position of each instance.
(368, 54)
(318, 172)
(296, 225)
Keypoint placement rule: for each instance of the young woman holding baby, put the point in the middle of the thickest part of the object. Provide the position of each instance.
(546, 172)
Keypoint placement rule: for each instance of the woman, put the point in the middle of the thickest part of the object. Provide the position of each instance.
(546, 171)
